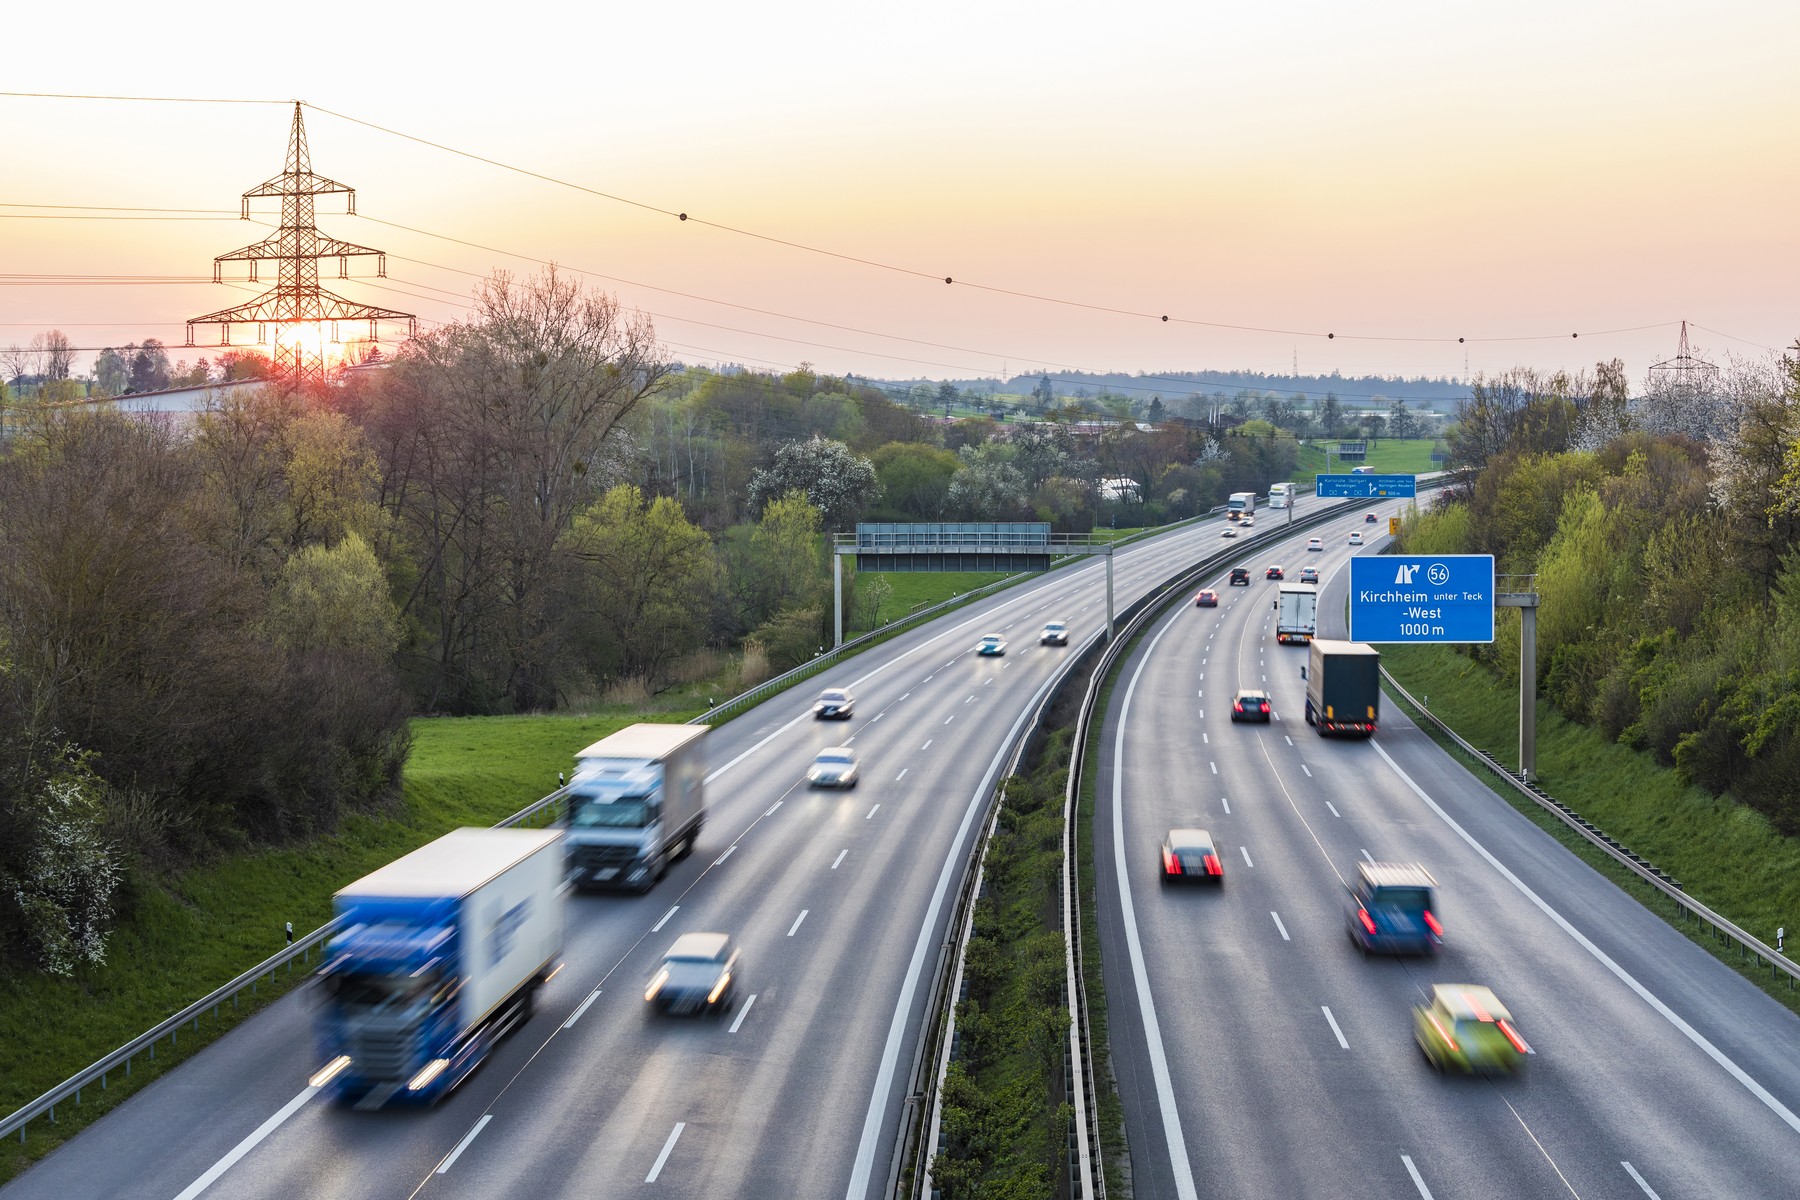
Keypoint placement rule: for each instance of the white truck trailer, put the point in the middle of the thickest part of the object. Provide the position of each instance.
(1296, 613)
(636, 804)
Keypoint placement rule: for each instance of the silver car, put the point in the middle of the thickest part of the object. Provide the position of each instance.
(698, 974)
(834, 768)
(1056, 633)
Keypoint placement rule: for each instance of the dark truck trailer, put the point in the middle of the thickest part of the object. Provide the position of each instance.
(1343, 688)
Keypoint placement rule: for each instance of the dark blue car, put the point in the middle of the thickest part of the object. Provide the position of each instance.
(1391, 910)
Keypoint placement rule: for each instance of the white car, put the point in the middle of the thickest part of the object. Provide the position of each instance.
(1056, 633)
(1228, 531)
(1315, 543)
(1356, 538)
(834, 768)
(1246, 522)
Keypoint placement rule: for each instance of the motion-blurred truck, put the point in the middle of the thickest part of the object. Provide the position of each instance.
(1296, 613)
(636, 804)
(1343, 688)
(437, 955)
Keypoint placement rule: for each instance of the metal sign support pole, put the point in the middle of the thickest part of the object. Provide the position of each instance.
(1527, 604)
(837, 601)
(1109, 598)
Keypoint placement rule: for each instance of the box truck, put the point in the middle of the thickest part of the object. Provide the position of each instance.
(1343, 688)
(636, 803)
(437, 955)
(1296, 612)
(1240, 504)
(1281, 495)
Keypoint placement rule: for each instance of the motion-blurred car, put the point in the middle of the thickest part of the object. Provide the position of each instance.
(1274, 572)
(1369, 518)
(1206, 598)
(833, 768)
(1056, 633)
(1391, 909)
(834, 704)
(1356, 539)
(1315, 543)
(1466, 1028)
(991, 645)
(1250, 706)
(1246, 521)
(1189, 856)
(1228, 532)
(697, 975)
(1309, 574)
(1240, 575)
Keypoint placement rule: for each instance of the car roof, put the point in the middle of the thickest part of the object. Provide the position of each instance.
(700, 945)
(1469, 1002)
(837, 754)
(1387, 874)
(833, 692)
(1190, 839)
(990, 637)
(1054, 624)
(1253, 692)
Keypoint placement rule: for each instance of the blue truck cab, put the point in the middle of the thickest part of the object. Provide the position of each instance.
(1392, 909)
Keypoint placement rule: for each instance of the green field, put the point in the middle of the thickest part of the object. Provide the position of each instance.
(1726, 855)
(199, 928)
(1388, 456)
(912, 590)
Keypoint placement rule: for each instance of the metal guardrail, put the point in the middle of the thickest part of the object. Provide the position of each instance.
(1748, 944)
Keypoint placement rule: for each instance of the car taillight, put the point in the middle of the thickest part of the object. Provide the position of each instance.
(1212, 865)
(1513, 1037)
(1368, 922)
(1238, 707)
(1171, 864)
(1448, 1040)
(1431, 922)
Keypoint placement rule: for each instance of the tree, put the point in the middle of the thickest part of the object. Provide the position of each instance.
(947, 396)
(1043, 393)
(787, 553)
(1331, 415)
(149, 370)
(1401, 423)
(1155, 412)
(111, 374)
(987, 486)
(1375, 424)
(840, 484)
(914, 478)
(335, 598)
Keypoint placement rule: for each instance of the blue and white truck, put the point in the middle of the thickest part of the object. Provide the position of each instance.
(437, 955)
(636, 804)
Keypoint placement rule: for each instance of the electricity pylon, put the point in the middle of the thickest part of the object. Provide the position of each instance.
(297, 307)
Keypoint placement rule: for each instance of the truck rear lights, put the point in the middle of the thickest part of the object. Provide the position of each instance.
(1368, 922)
(1431, 923)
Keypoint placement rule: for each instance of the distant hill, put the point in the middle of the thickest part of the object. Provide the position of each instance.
(1356, 391)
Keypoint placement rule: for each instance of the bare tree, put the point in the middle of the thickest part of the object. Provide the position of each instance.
(56, 355)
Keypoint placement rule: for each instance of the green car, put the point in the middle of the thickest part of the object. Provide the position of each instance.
(1466, 1028)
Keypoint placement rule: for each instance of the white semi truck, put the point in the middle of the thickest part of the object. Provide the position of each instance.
(1296, 613)
(636, 804)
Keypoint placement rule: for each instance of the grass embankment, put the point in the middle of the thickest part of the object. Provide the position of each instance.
(1727, 856)
(193, 930)
(911, 590)
(1005, 1122)
(1389, 456)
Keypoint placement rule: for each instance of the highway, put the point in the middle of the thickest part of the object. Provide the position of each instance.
(1259, 1054)
(839, 902)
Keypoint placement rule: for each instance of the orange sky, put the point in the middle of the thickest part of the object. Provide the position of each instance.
(1400, 171)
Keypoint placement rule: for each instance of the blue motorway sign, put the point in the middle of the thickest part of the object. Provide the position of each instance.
(1361, 487)
(1417, 599)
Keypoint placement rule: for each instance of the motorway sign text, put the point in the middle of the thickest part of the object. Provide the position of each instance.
(1422, 598)
(1358, 487)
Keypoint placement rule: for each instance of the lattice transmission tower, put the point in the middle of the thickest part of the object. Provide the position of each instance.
(1687, 372)
(303, 315)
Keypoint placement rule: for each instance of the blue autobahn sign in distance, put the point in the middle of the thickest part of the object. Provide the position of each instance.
(1361, 487)
(1433, 598)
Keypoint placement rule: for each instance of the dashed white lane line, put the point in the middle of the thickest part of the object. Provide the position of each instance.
(1205, 740)
(250, 1143)
(1303, 766)
(1227, 804)
(729, 850)
(662, 1158)
(1214, 766)
(949, 718)
(1203, 714)
(742, 1012)
(849, 739)
(450, 1159)
(971, 698)
(877, 717)
(1368, 856)
(908, 696)
(1290, 741)
(838, 859)
(583, 1007)
(1332, 1021)
(870, 813)
(1418, 1181)
(927, 744)
(902, 774)
(1245, 851)
(1639, 1180)
(795, 927)
(777, 804)
(1334, 811)
(1280, 926)
(657, 928)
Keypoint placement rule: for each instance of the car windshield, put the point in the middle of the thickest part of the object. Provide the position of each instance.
(835, 758)
(833, 697)
(1056, 626)
(990, 640)
(627, 812)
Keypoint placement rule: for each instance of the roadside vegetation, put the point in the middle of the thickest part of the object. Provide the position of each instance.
(1387, 456)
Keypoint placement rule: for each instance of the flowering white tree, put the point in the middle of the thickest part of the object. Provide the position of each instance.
(837, 482)
(64, 885)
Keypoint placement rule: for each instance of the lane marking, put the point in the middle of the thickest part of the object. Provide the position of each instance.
(729, 850)
(742, 1013)
(902, 774)
(664, 1156)
(927, 744)
(1334, 811)
(1227, 804)
(792, 929)
(870, 813)
(1290, 741)
(576, 1015)
(908, 696)
(1540, 1146)
(877, 716)
(1306, 768)
(847, 741)
(838, 859)
(1205, 740)
(1418, 1181)
(1214, 766)
(949, 718)
(1203, 714)
(657, 928)
(1368, 856)
(248, 1144)
(1639, 1180)
(777, 804)
(1693, 1035)
(1332, 1021)
(1245, 851)
(1280, 926)
(972, 695)
(450, 1159)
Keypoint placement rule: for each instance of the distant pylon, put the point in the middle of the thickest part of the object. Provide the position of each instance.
(1687, 371)
(298, 308)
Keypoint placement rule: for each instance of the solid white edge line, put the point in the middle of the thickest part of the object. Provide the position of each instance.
(248, 1144)
(742, 1012)
(792, 929)
(1332, 1021)
(1418, 1180)
(577, 1014)
(1668, 1014)
(864, 1165)
(1280, 926)
(450, 1159)
(729, 850)
(1639, 1180)
(1159, 1059)
(664, 1156)
(657, 928)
